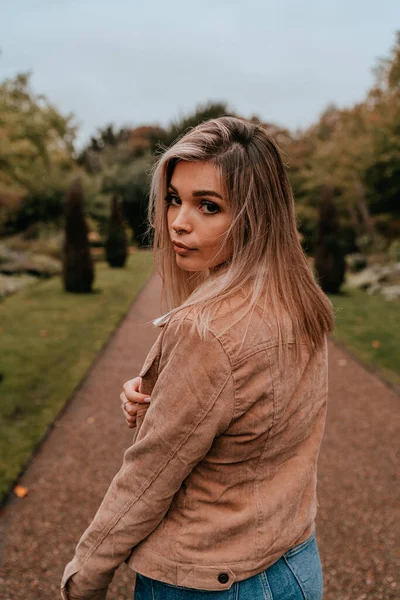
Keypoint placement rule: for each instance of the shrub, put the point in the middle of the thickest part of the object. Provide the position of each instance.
(116, 244)
(330, 262)
(78, 269)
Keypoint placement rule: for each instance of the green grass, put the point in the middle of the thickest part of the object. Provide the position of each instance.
(363, 320)
(48, 340)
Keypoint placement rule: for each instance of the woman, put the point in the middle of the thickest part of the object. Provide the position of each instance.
(216, 498)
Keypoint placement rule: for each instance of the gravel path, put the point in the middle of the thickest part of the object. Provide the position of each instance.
(358, 519)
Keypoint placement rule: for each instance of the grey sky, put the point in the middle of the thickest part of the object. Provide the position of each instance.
(135, 63)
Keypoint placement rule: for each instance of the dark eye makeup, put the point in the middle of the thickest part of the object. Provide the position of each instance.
(210, 205)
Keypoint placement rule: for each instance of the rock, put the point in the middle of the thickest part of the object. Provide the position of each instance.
(363, 279)
(391, 292)
(35, 264)
(374, 275)
(375, 288)
(356, 262)
(7, 255)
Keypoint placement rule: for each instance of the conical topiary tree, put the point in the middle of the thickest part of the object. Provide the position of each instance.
(78, 268)
(330, 262)
(116, 244)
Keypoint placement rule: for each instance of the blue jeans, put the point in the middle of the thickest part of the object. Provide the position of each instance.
(297, 575)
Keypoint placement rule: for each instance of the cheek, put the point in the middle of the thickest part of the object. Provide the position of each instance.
(216, 230)
(169, 218)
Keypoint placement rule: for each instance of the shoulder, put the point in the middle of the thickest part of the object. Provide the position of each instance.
(236, 327)
(244, 329)
(183, 345)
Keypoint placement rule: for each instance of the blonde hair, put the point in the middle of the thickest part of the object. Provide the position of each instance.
(266, 255)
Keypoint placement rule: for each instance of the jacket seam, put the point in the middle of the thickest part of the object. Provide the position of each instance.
(255, 488)
(195, 564)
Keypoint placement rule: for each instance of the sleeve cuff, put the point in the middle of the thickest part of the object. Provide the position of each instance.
(71, 591)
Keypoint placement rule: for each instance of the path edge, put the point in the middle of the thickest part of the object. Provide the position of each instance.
(370, 368)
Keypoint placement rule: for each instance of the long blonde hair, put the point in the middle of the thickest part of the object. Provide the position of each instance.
(266, 258)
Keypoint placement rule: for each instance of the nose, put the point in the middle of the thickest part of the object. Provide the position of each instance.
(182, 221)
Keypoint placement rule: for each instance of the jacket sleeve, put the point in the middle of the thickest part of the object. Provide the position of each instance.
(192, 403)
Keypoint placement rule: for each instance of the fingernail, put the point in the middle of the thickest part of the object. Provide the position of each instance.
(147, 400)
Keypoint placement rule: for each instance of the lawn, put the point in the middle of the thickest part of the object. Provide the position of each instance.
(48, 340)
(369, 326)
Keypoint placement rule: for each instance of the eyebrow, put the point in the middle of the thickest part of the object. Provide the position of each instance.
(198, 193)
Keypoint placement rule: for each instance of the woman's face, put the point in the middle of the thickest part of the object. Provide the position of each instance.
(197, 210)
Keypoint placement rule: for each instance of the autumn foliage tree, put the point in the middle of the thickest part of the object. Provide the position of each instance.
(329, 263)
(78, 268)
(116, 244)
(358, 150)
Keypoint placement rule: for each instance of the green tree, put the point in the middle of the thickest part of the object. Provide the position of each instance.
(36, 154)
(203, 112)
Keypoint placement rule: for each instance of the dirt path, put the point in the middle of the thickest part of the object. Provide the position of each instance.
(358, 520)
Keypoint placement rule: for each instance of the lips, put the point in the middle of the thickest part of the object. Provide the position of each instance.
(180, 245)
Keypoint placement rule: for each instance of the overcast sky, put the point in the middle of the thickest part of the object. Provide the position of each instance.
(135, 63)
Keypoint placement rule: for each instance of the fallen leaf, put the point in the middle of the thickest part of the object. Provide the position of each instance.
(375, 344)
(20, 491)
(43, 332)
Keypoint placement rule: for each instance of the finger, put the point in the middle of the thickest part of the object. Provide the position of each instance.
(130, 409)
(123, 398)
(127, 408)
(125, 402)
(132, 394)
(132, 385)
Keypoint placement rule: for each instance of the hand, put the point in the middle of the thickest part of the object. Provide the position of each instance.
(131, 398)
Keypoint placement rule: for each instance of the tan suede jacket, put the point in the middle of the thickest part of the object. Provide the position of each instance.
(220, 480)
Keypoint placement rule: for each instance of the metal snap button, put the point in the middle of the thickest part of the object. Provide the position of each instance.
(223, 577)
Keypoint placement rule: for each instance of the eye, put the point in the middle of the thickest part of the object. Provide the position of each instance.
(169, 197)
(211, 205)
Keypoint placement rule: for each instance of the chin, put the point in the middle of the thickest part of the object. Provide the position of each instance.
(188, 265)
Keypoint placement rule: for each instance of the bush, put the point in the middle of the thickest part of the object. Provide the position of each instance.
(78, 269)
(116, 244)
(330, 262)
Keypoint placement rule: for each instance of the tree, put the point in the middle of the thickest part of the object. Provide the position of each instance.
(116, 244)
(203, 112)
(382, 177)
(357, 150)
(329, 255)
(36, 154)
(78, 268)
